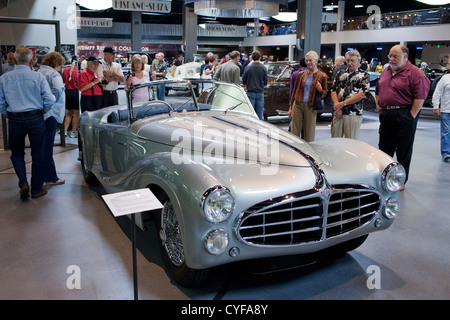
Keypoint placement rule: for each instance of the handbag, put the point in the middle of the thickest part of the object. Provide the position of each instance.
(318, 105)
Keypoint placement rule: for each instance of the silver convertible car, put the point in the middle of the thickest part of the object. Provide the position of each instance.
(233, 187)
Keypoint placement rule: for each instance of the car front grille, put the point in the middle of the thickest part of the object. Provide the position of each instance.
(307, 217)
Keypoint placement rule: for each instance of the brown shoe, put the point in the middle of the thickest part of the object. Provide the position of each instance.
(402, 188)
(24, 191)
(41, 193)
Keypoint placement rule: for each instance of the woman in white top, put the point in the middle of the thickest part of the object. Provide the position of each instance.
(138, 75)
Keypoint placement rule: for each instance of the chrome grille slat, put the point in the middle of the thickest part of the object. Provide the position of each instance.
(349, 199)
(308, 216)
(330, 225)
(281, 233)
(280, 223)
(347, 210)
(285, 210)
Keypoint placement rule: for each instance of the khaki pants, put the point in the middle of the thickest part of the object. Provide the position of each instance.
(347, 126)
(304, 116)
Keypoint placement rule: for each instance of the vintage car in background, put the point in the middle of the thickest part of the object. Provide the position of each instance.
(276, 93)
(233, 187)
(190, 70)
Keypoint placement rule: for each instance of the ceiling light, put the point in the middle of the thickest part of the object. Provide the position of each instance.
(434, 2)
(236, 8)
(286, 16)
(95, 4)
(330, 7)
(358, 6)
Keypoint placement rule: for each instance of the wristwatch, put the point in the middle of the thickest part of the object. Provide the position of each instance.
(345, 104)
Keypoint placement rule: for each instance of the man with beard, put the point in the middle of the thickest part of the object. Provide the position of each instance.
(400, 93)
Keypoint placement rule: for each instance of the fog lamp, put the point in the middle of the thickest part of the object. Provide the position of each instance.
(216, 241)
(391, 208)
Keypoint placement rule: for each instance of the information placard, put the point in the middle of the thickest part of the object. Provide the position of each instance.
(131, 202)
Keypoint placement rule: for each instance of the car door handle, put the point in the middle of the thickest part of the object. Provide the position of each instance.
(122, 143)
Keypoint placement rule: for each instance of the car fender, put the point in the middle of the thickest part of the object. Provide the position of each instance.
(340, 154)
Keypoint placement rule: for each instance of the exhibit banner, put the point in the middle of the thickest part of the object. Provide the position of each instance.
(143, 5)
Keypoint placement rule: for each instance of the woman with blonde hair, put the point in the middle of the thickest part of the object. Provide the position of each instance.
(51, 68)
(308, 84)
(138, 75)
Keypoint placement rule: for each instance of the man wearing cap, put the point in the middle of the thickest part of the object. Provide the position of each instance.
(88, 82)
(110, 71)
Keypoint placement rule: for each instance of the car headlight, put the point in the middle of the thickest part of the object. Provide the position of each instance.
(189, 73)
(217, 204)
(216, 241)
(393, 177)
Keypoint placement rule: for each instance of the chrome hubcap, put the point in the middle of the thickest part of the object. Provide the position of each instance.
(170, 235)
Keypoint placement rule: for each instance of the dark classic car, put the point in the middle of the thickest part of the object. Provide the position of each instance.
(276, 93)
(234, 187)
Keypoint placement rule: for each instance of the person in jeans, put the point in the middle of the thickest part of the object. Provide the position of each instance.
(24, 98)
(255, 78)
(159, 70)
(441, 96)
(50, 69)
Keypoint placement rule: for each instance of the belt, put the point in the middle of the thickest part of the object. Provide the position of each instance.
(109, 91)
(394, 107)
(25, 113)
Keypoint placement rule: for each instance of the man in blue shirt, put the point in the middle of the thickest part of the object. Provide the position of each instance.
(24, 98)
(255, 78)
(10, 63)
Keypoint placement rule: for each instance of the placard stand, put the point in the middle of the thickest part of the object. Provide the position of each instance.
(130, 203)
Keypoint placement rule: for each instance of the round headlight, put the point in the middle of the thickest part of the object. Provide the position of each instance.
(216, 241)
(393, 177)
(217, 204)
(391, 209)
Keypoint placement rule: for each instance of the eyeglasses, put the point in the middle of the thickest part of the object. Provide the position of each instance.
(352, 60)
(395, 56)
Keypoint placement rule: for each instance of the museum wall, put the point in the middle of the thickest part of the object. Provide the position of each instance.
(35, 35)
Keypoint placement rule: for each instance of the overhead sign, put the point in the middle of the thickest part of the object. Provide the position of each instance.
(143, 5)
(95, 22)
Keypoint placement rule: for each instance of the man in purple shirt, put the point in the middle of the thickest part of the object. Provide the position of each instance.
(400, 93)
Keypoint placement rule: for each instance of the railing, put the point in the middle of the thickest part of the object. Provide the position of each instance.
(399, 19)
(385, 20)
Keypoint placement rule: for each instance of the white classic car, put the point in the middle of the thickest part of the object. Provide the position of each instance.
(190, 70)
(234, 187)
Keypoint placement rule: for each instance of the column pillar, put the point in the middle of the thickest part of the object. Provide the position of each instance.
(189, 33)
(136, 31)
(309, 26)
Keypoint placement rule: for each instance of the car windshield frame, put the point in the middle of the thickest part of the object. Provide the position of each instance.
(219, 96)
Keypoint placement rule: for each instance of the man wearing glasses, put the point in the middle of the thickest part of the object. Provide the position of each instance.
(348, 91)
(400, 93)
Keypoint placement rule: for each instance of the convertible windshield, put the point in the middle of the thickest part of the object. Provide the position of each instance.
(192, 95)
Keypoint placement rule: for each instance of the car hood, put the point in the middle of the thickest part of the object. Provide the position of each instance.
(216, 135)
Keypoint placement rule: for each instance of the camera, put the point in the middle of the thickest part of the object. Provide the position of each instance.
(129, 73)
(103, 82)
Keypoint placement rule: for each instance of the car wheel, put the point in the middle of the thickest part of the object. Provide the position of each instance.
(88, 176)
(172, 251)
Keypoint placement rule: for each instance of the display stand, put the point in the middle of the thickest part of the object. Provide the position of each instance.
(130, 203)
